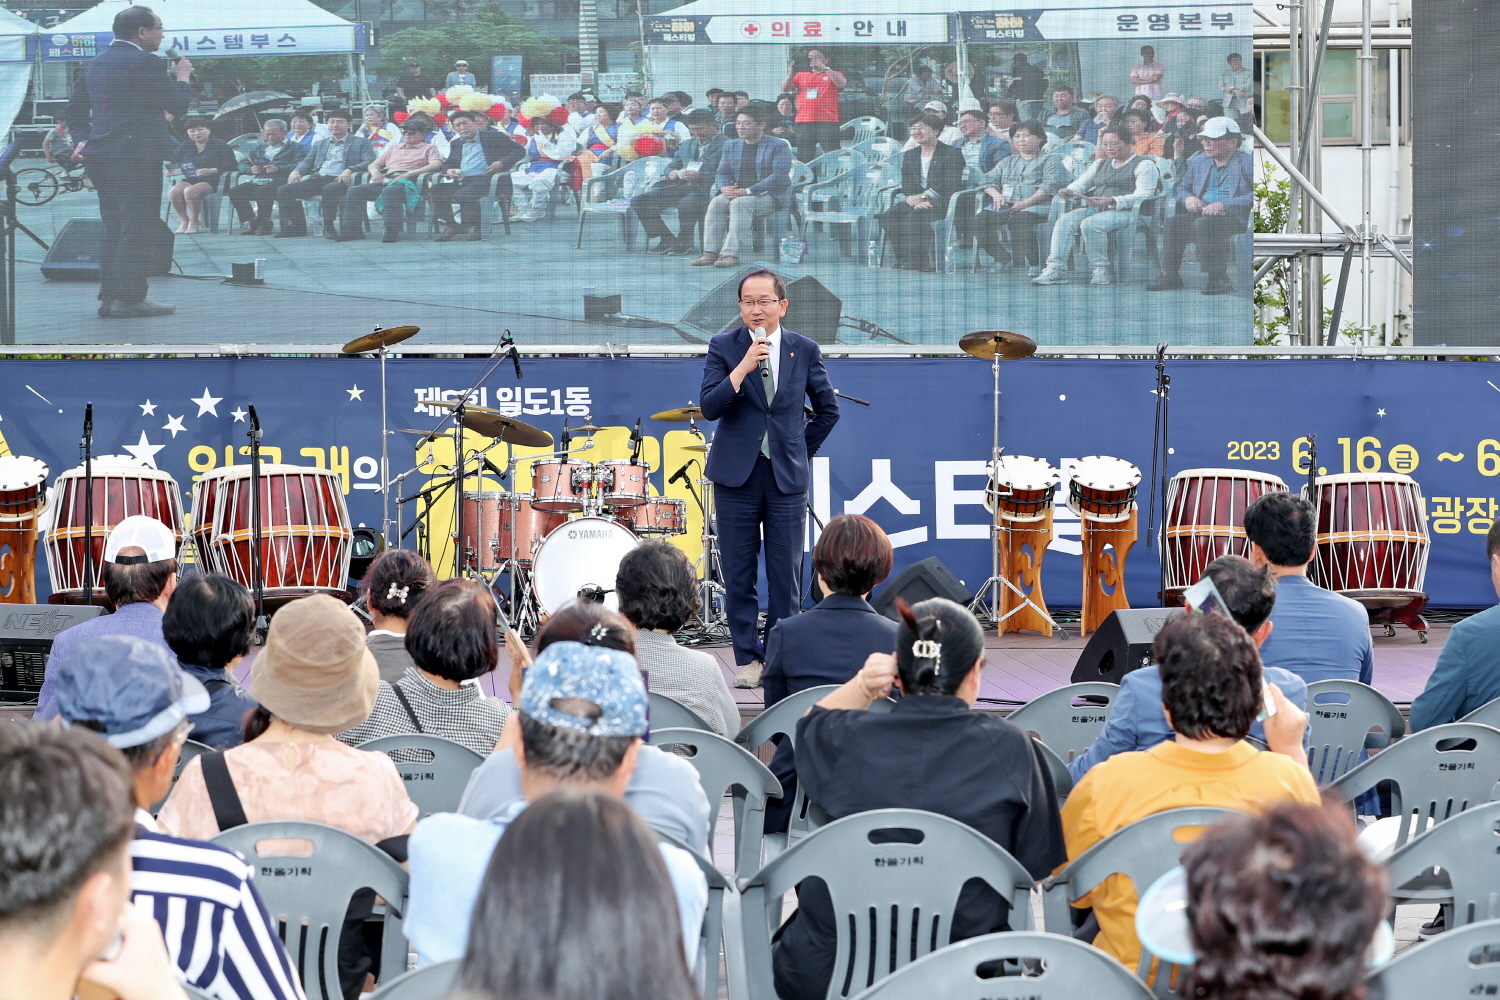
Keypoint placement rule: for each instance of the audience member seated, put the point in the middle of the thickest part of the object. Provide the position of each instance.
(395, 582)
(663, 789)
(1140, 102)
(546, 149)
(1319, 635)
(326, 173)
(1467, 674)
(1020, 198)
(66, 924)
(687, 187)
(829, 643)
(981, 150)
(139, 573)
(451, 639)
(1137, 721)
(582, 715)
(1066, 119)
(659, 115)
(375, 128)
(784, 126)
(1212, 690)
(947, 134)
(658, 593)
(268, 160)
(573, 904)
(1002, 115)
(1283, 905)
(394, 179)
(474, 158)
(302, 132)
(754, 179)
(203, 161)
(930, 752)
(1106, 113)
(208, 625)
(1143, 142)
(931, 173)
(142, 703)
(314, 678)
(1215, 196)
(1109, 187)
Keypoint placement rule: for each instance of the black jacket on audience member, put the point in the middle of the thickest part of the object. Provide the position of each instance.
(825, 645)
(945, 174)
(930, 752)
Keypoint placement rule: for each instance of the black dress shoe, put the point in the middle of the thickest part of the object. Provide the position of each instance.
(287, 234)
(1218, 286)
(1165, 283)
(664, 245)
(391, 238)
(105, 306)
(348, 237)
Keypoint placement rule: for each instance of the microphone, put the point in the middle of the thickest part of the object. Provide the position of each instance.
(491, 467)
(254, 420)
(88, 420)
(635, 440)
(680, 474)
(172, 54)
(515, 359)
(765, 363)
(567, 435)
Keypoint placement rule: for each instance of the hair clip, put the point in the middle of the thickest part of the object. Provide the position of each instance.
(926, 649)
(597, 634)
(397, 593)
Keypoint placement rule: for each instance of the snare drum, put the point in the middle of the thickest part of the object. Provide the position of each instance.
(1023, 487)
(625, 482)
(1101, 488)
(23, 487)
(560, 484)
(584, 552)
(305, 531)
(1204, 518)
(119, 492)
(657, 516)
(1372, 533)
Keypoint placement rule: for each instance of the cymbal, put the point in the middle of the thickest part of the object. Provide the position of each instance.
(426, 434)
(493, 423)
(380, 338)
(682, 416)
(586, 428)
(1003, 344)
(695, 447)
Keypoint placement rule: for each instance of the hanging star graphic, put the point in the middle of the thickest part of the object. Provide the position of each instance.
(356, 393)
(144, 451)
(1380, 413)
(207, 403)
(148, 408)
(238, 414)
(174, 424)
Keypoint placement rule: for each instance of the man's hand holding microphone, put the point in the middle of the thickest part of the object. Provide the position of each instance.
(756, 358)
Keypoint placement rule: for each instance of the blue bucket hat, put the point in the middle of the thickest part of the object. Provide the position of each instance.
(133, 687)
(607, 677)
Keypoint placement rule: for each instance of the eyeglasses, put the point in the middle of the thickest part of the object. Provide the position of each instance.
(763, 303)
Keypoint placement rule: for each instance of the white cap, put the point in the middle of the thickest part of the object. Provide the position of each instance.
(140, 531)
(1218, 128)
(1172, 99)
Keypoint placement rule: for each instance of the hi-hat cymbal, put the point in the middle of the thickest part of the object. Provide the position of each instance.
(429, 435)
(493, 423)
(1003, 344)
(682, 416)
(380, 338)
(587, 428)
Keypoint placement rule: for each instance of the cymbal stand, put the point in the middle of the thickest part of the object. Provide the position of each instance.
(987, 608)
(713, 618)
(385, 456)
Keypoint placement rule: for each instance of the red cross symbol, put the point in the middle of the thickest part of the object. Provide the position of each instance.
(750, 29)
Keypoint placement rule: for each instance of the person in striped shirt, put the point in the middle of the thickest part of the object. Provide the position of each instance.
(217, 930)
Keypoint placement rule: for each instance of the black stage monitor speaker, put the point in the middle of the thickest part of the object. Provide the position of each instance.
(75, 252)
(814, 311)
(1122, 644)
(919, 582)
(26, 634)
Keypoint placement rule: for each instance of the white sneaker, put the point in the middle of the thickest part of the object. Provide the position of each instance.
(749, 675)
(1101, 277)
(1052, 276)
(1032, 272)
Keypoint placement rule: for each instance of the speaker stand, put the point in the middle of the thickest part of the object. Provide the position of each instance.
(1104, 570)
(1023, 569)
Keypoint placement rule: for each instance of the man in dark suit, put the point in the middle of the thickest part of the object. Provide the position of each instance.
(931, 173)
(326, 172)
(474, 158)
(687, 187)
(754, 386)
(118, 116)
(754, 179)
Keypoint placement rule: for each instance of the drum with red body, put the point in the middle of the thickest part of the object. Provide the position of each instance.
(657, 516)
(624, 482)
(1372, 533)
(1101, 488)
(23, 487)
(305, 530)
(1204, 518)
(120, 491)
(561, 484)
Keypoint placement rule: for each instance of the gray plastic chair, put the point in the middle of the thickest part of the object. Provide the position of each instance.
(1143, 852)
(1067, 728)
(1464, 847)
(1435, 774)
(724, 767)
(431, 982)
(900, 897)
(1487, 714)
(438, 784)
(1062, 778)
(1457, 964)
(1340, 717)
(308, 896)
(669, 713)
(1068, 970)
(722, 930)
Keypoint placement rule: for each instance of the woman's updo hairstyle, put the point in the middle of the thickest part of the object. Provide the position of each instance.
(397, 579)
(937, 643)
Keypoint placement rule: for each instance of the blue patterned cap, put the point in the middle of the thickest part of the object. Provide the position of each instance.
(607, 677)
(132, 686)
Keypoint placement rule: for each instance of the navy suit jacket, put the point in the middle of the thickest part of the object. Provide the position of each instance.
(496, 146)
(744, 418)
(117, 106)
(773, 168)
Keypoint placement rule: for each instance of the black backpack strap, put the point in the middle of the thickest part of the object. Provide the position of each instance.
(218, 684)
(228, 811)
(401, 697)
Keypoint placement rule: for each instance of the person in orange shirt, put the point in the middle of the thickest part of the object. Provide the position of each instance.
(1144, 143)
(1212, 692)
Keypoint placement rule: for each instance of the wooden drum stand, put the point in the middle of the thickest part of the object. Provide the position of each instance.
(18, 562)
(1103, 569)
(1021, 546)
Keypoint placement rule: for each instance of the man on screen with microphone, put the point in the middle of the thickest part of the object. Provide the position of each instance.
(754, 381)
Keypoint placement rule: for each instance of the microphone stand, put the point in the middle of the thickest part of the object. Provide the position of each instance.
(257, 566)
(1159, 459)
(87, 444)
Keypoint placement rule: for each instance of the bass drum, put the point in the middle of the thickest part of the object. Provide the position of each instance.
(585, 552)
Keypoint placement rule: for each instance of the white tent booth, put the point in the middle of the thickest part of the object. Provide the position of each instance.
(17, 49)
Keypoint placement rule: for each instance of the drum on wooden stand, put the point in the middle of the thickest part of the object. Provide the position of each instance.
(1101, 491)
(1023, 488)
(1204, 518)
(584, 553)
(23, 495)
(119, 491)
(305, 528)
(1101, 488)
(1372, 533)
